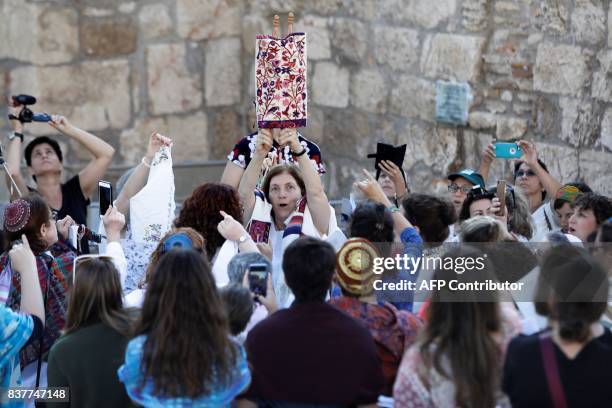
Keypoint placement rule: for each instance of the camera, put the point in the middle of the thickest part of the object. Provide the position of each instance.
(26, 115)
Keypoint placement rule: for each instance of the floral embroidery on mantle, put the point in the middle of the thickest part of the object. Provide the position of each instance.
(280, 75)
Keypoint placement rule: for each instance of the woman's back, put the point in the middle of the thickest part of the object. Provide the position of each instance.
(585, 379)
(87, 360)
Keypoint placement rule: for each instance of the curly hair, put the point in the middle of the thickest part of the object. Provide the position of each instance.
(183, 317)
(201, 212)
(599, 204)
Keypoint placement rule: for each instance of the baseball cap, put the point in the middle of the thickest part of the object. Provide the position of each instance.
(470, 175)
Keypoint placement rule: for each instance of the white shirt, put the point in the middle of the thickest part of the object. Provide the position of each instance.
(545, 221)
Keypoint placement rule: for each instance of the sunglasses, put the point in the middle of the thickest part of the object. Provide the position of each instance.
(453, 188)
(521, 173)
(83, 259)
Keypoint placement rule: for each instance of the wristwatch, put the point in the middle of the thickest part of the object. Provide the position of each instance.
(244, 238)
(13, 135)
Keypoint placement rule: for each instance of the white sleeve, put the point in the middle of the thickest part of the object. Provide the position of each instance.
(115, 250)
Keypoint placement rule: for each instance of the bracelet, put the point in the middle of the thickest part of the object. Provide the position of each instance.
(393, 208)
(294, 154)
(144, 162)
(16, 134)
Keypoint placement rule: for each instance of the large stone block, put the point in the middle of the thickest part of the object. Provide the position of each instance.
(546, 117)
(93, 95)
(396, 47)
(172, 86)
(108, 37)
(509, 128)
(319, 44)
(428, 14)
(562, 161)
(330, 85)
(560, 69)
(589, 21)
(474, 13)
(206, 19)
(350, 38)
(414, 97)
(189, 134)
(432, 146)
(552, 16)
(580, 121)
(602, 85)
(252, 25)
(595, 169)
(369, 91)
(225, 130)
(454, 57)
(223, 72)
(610, 27)
(605, 138)
(155, 21)
(38, 33)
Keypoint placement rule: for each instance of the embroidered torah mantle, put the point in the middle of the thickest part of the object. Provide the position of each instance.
(280, 77)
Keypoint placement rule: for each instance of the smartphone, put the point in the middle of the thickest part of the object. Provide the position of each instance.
(507, 150)
(501, 194)
(258, 278)
(105, 189)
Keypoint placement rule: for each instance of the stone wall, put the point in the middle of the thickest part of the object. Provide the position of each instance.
(539, 69)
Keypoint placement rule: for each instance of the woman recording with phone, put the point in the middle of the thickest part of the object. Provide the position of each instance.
(44, 160)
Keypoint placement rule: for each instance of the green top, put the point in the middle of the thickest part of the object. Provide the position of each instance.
(87, 361)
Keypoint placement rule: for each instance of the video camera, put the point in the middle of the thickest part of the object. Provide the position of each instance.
(26, 115)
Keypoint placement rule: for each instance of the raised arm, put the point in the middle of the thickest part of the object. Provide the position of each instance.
(102, 152)
(138, 178)
(248, 183)
(372, 190)
(232, 174)
(13, 154)
(23, 261)
(488, 155)
(315, 194)
(530, 156)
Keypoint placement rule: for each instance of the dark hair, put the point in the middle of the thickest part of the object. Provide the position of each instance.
(290, 169)
(238, 303)
(431, 214)
(605, 232)
(240, 263)
(200, 211)
(39, 215)
(599, 204)
(464, 214)
(461, 332)
(97, 296)
(42, 140)
(182, 315)
(372, 221)
(517, 165)
(309, 265)
(572, 290)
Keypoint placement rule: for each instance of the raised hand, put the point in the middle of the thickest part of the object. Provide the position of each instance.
(63, 226)
(264, 142)
(60, 123)
(21, 256)
(114, 222)
(395, 174)
(157, 140)
(371, 189)
(229, 228)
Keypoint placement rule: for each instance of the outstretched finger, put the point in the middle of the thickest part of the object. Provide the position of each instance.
(24, 241)
(225, 215)
(368, 175)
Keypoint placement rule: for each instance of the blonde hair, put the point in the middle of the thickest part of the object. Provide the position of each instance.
(483, 229)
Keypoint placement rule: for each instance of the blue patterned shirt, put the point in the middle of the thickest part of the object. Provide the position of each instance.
(130, 374)
(15, 331)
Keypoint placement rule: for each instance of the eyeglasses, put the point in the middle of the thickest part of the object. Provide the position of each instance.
(527, 173)
(83, 259)
(453, 188)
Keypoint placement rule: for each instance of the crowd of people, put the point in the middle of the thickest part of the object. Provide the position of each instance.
(256, 294)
